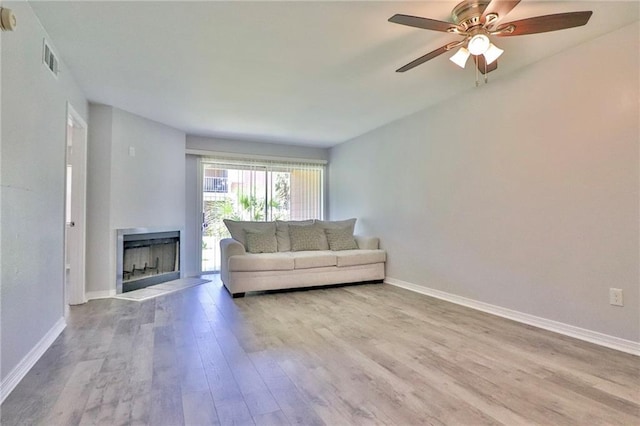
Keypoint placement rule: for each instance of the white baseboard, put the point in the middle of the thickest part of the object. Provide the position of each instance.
(102, 294)
(601, 339)
(17, 374)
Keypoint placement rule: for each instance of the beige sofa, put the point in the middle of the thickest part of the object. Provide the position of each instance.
(290, 265)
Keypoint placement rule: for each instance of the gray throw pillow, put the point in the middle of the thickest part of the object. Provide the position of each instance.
(350, 224)
(237, 228)
(282, 232)
(340, 239)
(260, 242)
(309, 237)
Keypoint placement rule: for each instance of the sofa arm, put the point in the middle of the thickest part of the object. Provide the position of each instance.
(228, 247)
(367, 243)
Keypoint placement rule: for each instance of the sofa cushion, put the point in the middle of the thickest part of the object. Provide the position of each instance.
(237, 228)
(260, 241)
(261, 262)
(340, 239)
(309, 237)
(282, 232)
(313, 259)
(360, 257)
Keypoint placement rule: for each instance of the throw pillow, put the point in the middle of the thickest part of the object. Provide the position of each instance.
(334, 224)
(307, 237)
(282, 232)
(261, 242)
(237, 227)
(340, 239)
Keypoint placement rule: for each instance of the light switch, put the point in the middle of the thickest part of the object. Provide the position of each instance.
(132, 151)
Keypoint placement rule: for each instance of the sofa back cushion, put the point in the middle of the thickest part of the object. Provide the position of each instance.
(237, 228)
(282, 232)
(350, 224)
(307, 237)
(261, 241)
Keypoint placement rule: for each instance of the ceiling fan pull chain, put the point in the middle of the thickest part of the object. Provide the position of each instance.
(475, 59)
(486, 75)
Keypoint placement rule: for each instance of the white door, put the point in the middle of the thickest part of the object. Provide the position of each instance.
(75, 208)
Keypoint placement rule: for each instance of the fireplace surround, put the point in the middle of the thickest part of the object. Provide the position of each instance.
(146, 256)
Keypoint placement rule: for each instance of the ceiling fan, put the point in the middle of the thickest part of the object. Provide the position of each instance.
(477, 21)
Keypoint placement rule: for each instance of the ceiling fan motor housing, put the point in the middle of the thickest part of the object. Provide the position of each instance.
(468, 14)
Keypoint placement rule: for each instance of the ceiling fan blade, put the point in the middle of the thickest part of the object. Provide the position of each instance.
(481, 63)
(424, 23)
(500, 8)
(423, 59)
(546, 23)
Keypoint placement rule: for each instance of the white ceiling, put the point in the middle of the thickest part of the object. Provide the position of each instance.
(306, 73)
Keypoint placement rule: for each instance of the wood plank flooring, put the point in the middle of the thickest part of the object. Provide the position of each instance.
(357, 355)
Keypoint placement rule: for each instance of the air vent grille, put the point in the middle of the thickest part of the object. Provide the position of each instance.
(49, 59)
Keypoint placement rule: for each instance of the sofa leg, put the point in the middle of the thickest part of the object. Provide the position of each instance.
(237, 295)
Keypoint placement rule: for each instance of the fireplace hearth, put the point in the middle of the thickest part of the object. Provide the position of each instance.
(146, 257)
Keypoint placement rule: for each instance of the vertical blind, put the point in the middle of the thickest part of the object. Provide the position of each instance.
(267, 190)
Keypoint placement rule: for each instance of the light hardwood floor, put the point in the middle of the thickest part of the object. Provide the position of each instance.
(358, 355)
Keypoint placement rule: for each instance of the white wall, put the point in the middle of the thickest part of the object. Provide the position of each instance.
(141, 191)
(194, 210)
(99, 142)
(34, 112)
(193, 231)
(522, 193)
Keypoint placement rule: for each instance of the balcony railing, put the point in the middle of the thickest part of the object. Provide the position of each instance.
(216, 184)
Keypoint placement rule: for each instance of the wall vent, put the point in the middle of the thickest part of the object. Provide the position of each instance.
(49, 59)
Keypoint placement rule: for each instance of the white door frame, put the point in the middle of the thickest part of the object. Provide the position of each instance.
(200, 219)
(77, 134)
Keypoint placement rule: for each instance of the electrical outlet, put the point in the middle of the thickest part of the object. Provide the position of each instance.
(615, 297)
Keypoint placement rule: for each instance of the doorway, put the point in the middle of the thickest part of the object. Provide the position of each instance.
(229, 192)
(75, 208)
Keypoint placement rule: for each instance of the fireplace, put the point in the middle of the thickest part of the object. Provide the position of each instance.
(146, 257)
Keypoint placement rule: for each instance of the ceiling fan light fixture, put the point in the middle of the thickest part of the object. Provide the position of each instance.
(492, 53)
(478, 44)
(460, 57)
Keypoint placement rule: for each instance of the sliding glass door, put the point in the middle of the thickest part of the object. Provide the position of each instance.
(255, 191)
